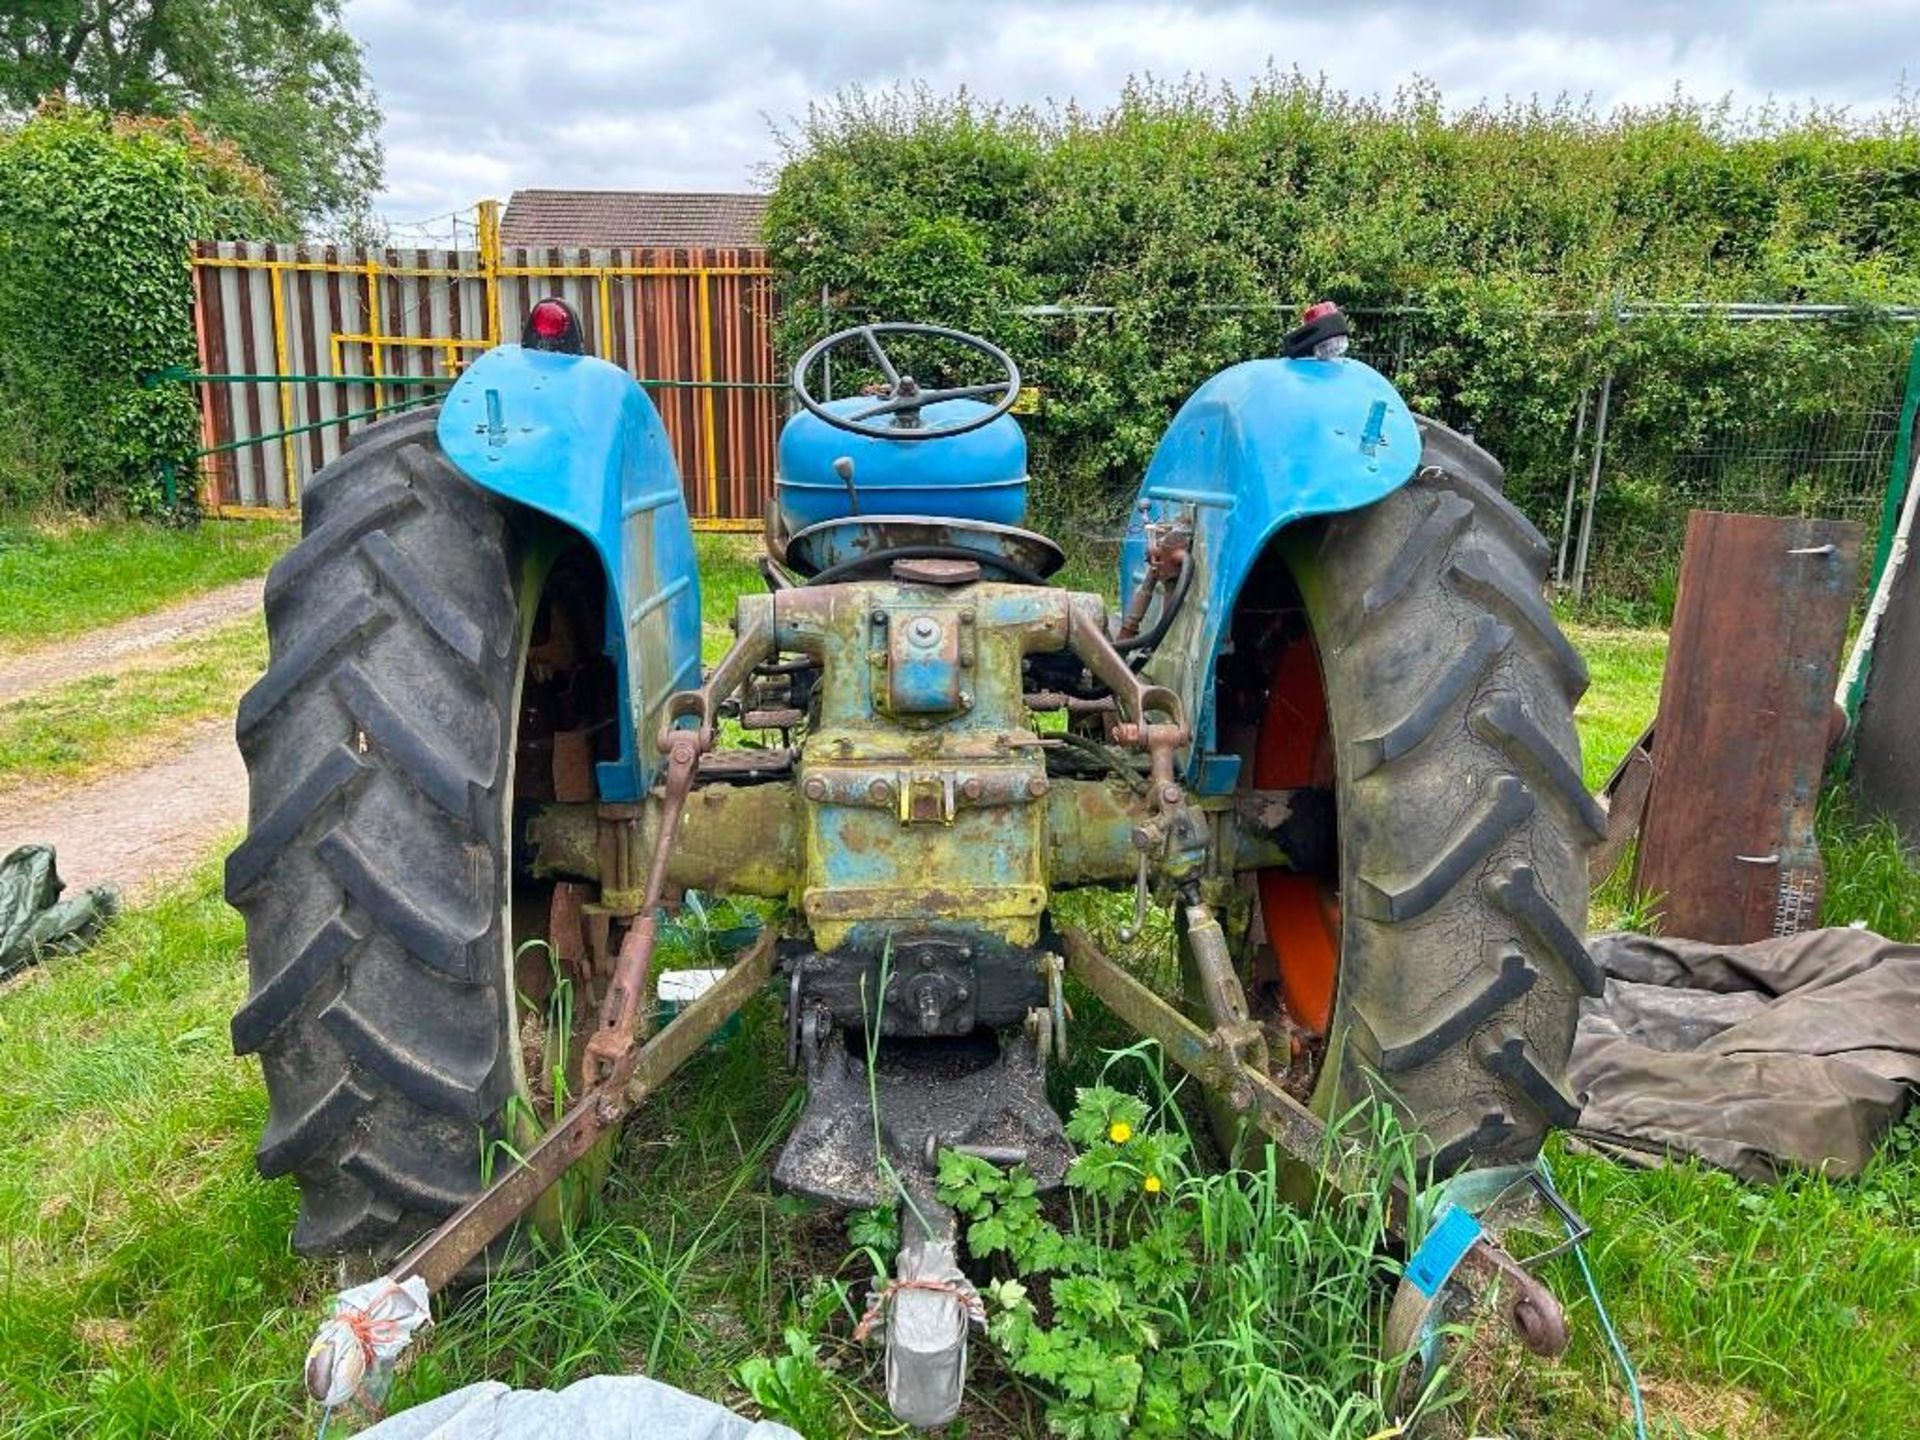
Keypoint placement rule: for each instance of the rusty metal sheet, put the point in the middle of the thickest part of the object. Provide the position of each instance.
(1625, 796)
(1746, 707)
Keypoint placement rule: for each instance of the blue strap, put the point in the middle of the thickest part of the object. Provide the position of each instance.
(1440, 1253)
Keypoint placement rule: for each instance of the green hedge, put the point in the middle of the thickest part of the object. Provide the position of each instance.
(1485, 251)
(98, 216)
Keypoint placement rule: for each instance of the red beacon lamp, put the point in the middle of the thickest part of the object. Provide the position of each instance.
(1322, 334)
(553, 325)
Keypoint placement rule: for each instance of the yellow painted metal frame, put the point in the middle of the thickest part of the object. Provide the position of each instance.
(492, 270)
(452, 345)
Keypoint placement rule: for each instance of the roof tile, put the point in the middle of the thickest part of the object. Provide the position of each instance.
(610, 218)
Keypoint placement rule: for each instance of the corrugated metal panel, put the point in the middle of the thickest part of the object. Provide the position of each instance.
(700, 322)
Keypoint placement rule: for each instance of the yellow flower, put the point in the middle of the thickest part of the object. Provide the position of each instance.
(1153, 1184)
(1119, 1132)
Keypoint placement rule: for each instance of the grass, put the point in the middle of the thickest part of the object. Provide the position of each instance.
(98, 723)
(58, 579)
(1625, 666)
(727, 571)
(147, 1287)
(1789, 1311)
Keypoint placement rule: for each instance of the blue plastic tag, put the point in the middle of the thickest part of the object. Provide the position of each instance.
(1439, 1254)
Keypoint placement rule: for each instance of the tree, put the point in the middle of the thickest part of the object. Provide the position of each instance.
(281, 79)
(97, 216)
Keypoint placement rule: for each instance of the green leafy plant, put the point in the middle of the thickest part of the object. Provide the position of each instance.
(877, 1232)
(1166, 1301)
(97, 218)
(795, 1388)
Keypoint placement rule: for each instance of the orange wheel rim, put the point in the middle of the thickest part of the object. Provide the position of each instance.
(1300, 913)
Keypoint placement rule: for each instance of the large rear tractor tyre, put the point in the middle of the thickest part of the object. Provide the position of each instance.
(376, 876)
(1402, 655)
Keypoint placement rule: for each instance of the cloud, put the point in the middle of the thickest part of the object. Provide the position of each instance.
(483, 96)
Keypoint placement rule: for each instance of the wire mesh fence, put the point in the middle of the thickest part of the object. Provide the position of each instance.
(1792, 410)
(1611, 424)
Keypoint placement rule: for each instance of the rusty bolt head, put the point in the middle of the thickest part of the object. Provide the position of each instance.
(973, 789)
(816, 788)
(879, 616)
(924, 630)
(1170, 794)
(966, 617)
(1037, 786)
(880, 791)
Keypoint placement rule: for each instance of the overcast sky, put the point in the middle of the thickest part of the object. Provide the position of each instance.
(483, 96)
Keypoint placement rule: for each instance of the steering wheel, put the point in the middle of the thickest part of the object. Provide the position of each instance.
(904, 398)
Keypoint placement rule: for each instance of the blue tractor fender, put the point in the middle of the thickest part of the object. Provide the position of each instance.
(577, 439)
(1258, 447)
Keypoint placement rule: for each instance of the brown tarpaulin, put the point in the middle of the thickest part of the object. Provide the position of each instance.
(1797, 1051)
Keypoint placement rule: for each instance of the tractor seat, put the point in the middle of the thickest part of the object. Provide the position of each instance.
(866, 547)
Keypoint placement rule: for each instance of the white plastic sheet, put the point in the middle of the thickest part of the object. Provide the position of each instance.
(604, 1407)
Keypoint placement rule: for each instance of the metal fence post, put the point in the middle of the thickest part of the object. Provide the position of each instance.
(1593, 489)
(826, 325)
(489, 232)
(1573, 489)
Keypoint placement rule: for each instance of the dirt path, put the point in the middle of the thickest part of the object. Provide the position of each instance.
(137, 828)
(134, 643)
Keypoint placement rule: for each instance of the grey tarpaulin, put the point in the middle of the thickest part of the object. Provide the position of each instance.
(33, 917)
(603, 1407)
(1796, 1051)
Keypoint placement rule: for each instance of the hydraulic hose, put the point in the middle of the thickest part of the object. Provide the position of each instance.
(1149, 638)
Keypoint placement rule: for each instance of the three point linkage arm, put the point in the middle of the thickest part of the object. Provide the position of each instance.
(683, 745)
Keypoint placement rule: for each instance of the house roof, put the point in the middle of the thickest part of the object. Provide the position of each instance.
(597, 218)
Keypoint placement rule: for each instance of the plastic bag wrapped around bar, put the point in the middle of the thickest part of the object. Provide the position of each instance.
(353, 1355)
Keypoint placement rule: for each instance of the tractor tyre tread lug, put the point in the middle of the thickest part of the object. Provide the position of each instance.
(1463, 828)
(373, 878)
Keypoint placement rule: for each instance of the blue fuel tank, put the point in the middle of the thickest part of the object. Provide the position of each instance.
(981, 475)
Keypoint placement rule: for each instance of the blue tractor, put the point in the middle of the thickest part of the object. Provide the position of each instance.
(1330, 726)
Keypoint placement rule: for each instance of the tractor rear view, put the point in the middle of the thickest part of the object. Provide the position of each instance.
(1332, 728)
